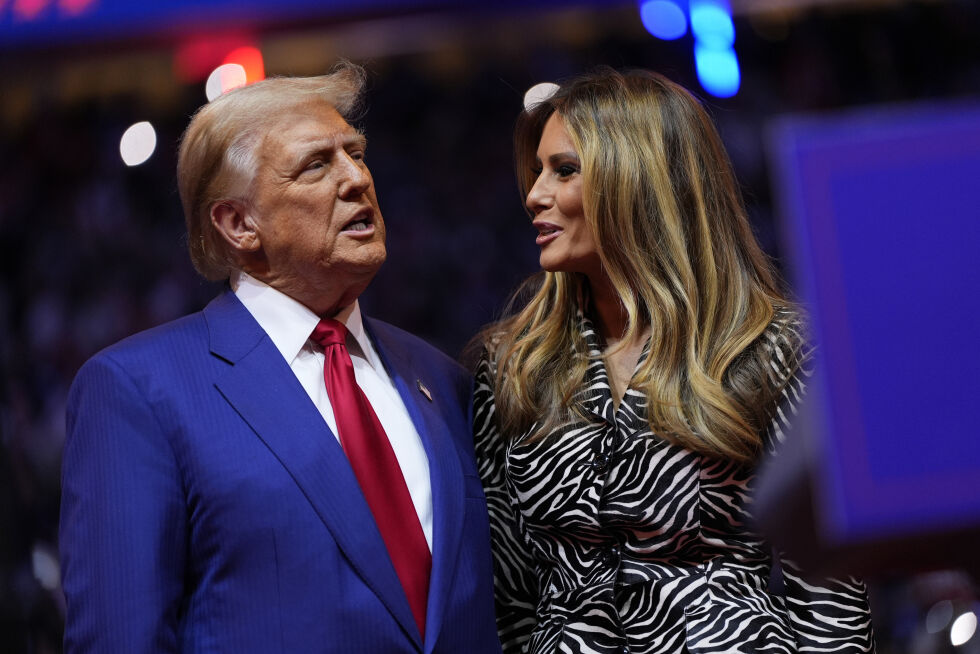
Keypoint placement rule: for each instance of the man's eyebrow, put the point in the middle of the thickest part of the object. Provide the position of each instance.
(324, 145)
(358, 139)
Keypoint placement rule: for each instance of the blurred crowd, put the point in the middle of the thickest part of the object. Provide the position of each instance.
(91, 251)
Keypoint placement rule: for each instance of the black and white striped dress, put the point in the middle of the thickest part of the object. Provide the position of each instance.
(608, 539)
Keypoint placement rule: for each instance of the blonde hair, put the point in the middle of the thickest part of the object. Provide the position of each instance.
(217, 157)
(660, 196)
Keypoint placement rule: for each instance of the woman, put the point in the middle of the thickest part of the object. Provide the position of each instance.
(620, 412)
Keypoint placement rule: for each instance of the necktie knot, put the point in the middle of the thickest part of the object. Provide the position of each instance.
(329, 332)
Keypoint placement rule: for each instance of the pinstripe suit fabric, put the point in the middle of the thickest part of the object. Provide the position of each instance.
(206, 507)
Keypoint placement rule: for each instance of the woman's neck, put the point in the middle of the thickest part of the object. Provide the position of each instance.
(612, 320)
(610, 314)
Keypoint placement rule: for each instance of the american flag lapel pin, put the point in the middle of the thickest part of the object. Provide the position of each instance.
(423, 389)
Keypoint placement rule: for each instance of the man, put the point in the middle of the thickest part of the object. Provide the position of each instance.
(276, 473)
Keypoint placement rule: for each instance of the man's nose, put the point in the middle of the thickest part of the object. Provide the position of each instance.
(357, 178)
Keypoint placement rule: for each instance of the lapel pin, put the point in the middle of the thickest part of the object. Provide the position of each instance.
(423, 389)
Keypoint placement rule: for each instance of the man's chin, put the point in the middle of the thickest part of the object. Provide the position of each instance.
(366, 262)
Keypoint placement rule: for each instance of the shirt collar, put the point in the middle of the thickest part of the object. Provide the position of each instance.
(289, 323)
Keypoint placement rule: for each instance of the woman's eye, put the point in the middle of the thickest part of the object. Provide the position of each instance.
(566, 170)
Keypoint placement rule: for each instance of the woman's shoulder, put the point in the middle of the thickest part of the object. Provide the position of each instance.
(786, 338)
(485, 350)
(786, 349)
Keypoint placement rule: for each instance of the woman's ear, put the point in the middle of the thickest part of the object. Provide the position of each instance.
(236, 226)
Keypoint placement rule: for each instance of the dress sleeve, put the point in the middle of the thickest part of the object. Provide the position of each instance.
(123, 519)
(515, 584)
(827, 615)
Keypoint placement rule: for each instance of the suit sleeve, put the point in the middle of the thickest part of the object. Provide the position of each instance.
(827, 615)
(515, 584)
(123, 519)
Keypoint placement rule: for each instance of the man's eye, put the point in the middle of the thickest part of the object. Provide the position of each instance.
(357, 155)
(315, 164)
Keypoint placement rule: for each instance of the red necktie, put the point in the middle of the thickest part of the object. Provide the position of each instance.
(376, 468)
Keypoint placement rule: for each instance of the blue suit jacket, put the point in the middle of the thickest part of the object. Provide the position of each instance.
(206, 507)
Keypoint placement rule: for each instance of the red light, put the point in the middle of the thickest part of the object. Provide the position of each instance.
(249, 58)
(197, 57)
(75, 7)
(28, 9)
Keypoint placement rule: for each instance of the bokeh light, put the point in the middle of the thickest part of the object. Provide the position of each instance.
(664, 19)
(250, 59)
(225, 78)
(963, 629)
(717, 70)
(28, 9)
(538, 94)
(75, 7)
(711, 23)
(939, 616)
(138, 143)
(44, 564)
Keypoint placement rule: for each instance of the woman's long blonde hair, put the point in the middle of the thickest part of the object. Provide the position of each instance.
(661, 199)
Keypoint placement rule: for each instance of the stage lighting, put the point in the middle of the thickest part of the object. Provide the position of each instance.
(963, 629)
(717, 70)
(225, 78)
(538, 94)
(249, 58)
(664, 19)
(138, 143)
(711, 23)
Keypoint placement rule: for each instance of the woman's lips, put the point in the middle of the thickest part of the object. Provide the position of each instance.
(546, 232)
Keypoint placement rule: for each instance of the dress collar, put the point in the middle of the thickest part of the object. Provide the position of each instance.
(595, 394)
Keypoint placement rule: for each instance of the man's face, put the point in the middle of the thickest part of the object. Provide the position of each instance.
(314, 208)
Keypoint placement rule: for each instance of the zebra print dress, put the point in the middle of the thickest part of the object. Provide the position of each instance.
(608, 539)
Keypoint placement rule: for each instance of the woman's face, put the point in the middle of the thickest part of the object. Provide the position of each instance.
(566, 241)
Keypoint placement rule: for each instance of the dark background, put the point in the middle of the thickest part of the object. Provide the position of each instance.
(92, 251)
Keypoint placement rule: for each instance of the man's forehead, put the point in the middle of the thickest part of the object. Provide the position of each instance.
(301, 129)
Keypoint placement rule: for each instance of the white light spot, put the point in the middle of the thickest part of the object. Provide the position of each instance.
(963, 628)
(538, 94)
(223, 79)
(45, 567)
(138, 143)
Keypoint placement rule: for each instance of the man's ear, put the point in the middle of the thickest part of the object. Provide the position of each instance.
(236, 225)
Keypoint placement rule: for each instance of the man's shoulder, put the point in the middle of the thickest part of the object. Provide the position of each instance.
(398, 336)
(147, 360)
(152, 356)
(166, 336)
(417, 347)
(179, 337)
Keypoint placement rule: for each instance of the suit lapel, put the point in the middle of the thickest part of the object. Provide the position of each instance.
(264, 391)
(445, 473)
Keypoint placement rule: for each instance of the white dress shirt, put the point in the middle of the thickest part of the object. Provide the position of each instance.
(289, 325)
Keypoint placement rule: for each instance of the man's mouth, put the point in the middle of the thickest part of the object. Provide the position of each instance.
(363, 221)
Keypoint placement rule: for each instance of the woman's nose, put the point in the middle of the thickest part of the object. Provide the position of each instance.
(537, 197)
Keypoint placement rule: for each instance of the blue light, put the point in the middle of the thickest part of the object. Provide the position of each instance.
(717, 70)
(711, 22)
(663, 18)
